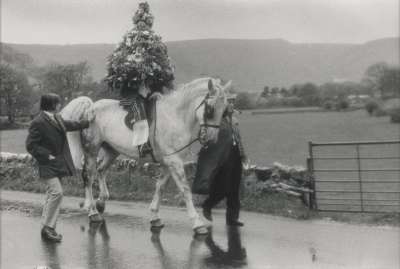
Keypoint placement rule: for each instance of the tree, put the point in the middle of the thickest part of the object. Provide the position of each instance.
(284, 92)
(65, 80)
(308, 92)
(264, 94)
(14, 90)
(274, 91)
(244, 101)
(373, 75)
(389, 82)
(383, 80)
(140, 61)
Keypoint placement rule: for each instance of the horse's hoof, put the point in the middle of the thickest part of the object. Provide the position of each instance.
(156, 223)
(202, 230)
(200, 237)
(100, 206)
(96, 218)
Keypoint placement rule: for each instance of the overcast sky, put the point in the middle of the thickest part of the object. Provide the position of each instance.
(105, 21)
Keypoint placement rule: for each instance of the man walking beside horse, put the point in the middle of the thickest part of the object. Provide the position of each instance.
(47, 143)
(219, 168)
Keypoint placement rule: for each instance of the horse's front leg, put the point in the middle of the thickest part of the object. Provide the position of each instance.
(176, 168)
(155, 203)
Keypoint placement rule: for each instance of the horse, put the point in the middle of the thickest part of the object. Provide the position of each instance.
(193, 110)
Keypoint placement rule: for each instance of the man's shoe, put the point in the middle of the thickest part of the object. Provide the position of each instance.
(50, 234)
(234, 223)
(207, 213)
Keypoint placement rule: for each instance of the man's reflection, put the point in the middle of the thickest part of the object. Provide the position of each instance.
(234, 256)
(51, 254)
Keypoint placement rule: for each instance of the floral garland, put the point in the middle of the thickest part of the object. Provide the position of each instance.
(141, 57)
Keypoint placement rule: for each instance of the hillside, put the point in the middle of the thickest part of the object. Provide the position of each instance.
(251, 64)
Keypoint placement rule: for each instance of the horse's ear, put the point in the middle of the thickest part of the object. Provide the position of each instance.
(210, 85)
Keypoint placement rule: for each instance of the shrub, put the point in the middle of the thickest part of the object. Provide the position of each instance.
(295, 101)
(379, 112)
(395, 115)
(371, 106)
(328, 105)
(342, 104)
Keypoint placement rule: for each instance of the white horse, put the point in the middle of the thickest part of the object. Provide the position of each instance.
(178, 117)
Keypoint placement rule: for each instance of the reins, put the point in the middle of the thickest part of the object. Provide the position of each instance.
(193, 140)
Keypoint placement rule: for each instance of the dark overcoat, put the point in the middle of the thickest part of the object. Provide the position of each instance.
(48, 137)
(212, 158)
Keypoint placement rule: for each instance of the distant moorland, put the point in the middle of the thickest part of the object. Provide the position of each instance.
(251, 64)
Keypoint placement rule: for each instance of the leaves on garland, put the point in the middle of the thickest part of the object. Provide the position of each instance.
(141, 57)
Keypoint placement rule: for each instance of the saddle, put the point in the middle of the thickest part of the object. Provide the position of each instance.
(140, 112)
(136, 111)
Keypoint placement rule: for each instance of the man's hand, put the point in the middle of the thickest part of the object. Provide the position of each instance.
(88, 116)
(246, 164)
(51, 157)
(155, 95)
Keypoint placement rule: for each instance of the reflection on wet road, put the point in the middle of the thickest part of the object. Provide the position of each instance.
(120, 242)
(127, 242)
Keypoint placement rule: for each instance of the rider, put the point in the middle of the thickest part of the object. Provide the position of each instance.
(140, 66)
(141, 98)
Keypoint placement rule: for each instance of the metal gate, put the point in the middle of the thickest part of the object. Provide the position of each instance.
(355, 176)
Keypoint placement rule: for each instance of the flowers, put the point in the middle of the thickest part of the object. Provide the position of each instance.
(141, 56)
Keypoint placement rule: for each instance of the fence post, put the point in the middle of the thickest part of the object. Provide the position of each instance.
(359, 176)
(310, 168)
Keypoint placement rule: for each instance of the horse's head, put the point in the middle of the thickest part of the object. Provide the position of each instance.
(210, 111)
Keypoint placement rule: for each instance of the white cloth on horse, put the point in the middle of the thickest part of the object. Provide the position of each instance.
(140, 132)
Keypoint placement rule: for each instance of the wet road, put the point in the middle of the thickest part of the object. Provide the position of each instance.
(125, 241)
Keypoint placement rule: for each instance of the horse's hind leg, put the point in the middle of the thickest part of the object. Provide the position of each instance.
(155, 203)
(89, 173)
(106, 155)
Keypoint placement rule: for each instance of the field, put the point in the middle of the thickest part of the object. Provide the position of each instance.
(267, 138)
(281, 137)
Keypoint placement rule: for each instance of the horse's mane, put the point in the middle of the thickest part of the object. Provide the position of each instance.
(186, 92)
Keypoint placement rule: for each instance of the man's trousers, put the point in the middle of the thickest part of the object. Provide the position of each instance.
(52, 204)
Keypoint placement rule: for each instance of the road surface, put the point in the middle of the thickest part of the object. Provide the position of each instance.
(125, 240)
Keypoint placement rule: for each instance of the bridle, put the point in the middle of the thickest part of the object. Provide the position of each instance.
(208, 113)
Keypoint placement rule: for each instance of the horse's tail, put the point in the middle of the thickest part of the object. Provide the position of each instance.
(79, 108)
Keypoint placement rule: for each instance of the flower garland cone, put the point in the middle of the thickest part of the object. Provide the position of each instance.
(141, 57)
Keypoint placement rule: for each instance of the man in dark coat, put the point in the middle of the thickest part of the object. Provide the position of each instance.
(219, 169)
(47, 143)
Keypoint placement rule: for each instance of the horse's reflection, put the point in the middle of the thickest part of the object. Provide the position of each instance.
(167, 262)
(234, 256)
(99, 252)
(50, 252)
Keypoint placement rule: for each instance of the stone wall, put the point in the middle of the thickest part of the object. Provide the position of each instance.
(291, 180)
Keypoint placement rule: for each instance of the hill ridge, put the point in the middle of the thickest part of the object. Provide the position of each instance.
(250, 63)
